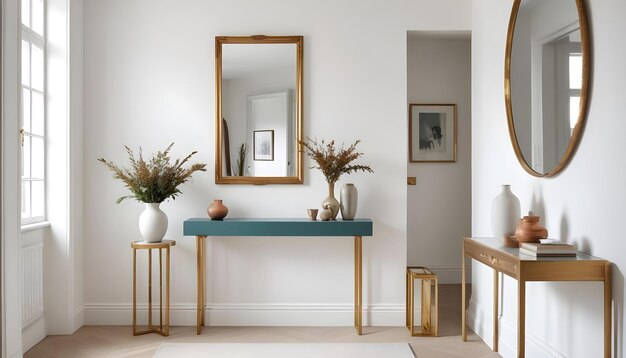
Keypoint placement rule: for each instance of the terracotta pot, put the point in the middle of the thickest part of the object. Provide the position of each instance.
(529, 229)
(217, 210)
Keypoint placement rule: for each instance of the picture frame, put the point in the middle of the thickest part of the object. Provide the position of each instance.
(432, 133)
(263, 144)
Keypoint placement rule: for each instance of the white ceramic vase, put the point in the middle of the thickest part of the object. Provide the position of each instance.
(349, 197)
(153, 223)
(505, 213)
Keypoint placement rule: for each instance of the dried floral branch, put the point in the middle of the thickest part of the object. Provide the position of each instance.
(155, 180)
(332, 162)
(241, 159)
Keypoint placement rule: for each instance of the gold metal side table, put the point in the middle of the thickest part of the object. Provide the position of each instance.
(162, 329)
(428, 279)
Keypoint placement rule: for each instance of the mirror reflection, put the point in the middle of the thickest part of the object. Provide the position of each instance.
(259, 109)
(547, 82)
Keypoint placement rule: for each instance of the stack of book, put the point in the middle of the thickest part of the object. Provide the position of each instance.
(549, 248)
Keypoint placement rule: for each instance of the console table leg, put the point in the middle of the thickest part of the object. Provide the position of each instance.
(358, 281)
(521, 318)
(200, 274)
(607, 309)
(203, 280)
(495, 310)
(463, 312)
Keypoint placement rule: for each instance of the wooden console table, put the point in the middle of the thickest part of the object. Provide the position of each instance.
(524, 268)
(203, 227)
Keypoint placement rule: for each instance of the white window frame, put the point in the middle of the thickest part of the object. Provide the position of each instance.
(33, 39)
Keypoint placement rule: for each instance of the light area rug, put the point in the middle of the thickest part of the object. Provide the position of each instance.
(284, 350)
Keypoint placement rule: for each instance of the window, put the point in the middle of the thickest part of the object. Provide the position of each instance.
(575, 84)
(33, 111)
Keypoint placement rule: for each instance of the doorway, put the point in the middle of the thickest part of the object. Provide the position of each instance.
(439, 204)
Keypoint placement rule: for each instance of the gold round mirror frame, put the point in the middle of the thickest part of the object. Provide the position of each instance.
(584, 92)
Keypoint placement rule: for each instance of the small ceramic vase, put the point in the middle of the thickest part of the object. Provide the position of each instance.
(312, 213)
(326, 214)
(217, 210)
(529, 229)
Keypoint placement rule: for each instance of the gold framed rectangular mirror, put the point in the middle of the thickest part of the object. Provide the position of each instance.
(258, 91)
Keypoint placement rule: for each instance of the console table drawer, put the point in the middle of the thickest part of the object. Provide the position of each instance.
(496, 260)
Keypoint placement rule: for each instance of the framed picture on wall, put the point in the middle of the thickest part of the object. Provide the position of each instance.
(263, 145)
(432, 133)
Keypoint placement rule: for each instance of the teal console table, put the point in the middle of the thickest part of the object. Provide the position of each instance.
(201, 228)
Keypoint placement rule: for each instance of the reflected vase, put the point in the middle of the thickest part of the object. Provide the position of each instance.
(330, 202)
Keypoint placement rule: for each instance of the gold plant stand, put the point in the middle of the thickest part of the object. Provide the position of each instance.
(162, 329)
(429, 323)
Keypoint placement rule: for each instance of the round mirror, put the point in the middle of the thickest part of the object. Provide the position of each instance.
(546, 82)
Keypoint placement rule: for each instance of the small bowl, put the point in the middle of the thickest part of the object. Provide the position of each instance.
(312, 213)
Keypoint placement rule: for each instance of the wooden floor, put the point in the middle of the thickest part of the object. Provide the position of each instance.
(118, 341)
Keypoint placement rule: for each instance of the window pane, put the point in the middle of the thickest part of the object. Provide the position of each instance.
(26, 110)
(574, 109)
(37, 67)
(575, 71)
(26, 157)
(38, 198)
(38, 110)
(25, 199)
(37, 158)
(25, 63)
(26, 12)
(37, 16)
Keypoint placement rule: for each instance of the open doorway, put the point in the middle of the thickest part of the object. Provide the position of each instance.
(439, 204)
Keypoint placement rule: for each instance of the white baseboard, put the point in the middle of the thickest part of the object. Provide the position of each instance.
(17, 354)
(251, 314)
(33, 333)
(78, 319)
(480, 321)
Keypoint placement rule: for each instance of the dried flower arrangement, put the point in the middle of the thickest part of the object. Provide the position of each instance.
(155, 180)
(332, 162)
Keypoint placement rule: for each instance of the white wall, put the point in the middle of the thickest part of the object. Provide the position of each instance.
(583, 205)
(76, 162)
(439, 206)
(149, 80)
(63, 278)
